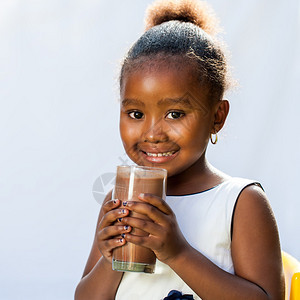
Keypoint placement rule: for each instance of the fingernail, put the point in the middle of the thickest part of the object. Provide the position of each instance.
(120, 219)
(126, 227)
(123, 235)
(125, 203)
(121, 240)
(115, 201)
(141, 195)
(123, 211)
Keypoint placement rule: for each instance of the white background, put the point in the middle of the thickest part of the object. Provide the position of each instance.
(59, 125)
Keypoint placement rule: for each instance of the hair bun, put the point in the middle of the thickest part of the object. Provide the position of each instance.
(193, 11)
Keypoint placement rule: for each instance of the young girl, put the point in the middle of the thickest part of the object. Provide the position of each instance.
(215, 236)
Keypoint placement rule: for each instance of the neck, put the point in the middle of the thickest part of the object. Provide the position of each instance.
(197, 178)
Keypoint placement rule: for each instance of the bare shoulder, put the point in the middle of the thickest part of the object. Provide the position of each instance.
(253, 203)
(95, 253)
(254, 220)
(256, 251)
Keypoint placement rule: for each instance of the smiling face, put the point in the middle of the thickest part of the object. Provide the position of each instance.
(165, 118)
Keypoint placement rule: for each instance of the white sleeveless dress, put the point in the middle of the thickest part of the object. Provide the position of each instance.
(205, 220)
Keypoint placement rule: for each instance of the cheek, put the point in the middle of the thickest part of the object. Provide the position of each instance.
(128, 133)
(194, 137)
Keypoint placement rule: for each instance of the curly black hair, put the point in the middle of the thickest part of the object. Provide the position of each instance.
(181, 32)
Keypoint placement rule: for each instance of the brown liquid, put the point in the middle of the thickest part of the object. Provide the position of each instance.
(130, 252)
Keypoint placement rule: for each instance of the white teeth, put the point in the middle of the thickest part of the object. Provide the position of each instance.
(160, 154)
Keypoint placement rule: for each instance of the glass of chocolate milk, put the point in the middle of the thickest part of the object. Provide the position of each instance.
(130, 182)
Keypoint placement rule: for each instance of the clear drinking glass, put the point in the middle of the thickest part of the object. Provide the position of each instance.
(130, 182)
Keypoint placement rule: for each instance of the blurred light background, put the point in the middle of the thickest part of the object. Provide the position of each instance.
(59, 64)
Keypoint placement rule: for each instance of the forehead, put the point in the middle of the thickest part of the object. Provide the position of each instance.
(159, 80)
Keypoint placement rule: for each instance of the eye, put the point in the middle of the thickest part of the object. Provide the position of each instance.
(174, 115)
(136, 115)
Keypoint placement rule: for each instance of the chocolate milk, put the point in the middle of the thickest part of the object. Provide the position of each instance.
(130, 182)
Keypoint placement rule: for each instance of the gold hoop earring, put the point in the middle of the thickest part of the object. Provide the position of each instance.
(216, 138)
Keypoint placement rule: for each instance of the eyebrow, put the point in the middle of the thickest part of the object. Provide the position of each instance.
(126, 102)
(183, 101)
(166, 101)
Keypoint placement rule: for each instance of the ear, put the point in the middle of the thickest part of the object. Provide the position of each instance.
(221, 112)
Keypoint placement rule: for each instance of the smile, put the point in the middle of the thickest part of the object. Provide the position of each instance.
(159, 157)
(160, 154)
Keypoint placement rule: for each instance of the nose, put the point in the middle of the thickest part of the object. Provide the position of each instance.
(155, 132)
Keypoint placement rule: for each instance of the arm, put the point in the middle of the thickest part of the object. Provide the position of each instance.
(99, 281)
(255, 251)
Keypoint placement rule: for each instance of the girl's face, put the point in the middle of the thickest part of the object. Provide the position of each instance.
(165, 118)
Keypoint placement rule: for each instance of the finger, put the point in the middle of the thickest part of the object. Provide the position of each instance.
(108, 245)
(112, 216)
(148, 210)
(111, 204)
(157, 202)
(145, 241)
(112, 231)
(145, 225)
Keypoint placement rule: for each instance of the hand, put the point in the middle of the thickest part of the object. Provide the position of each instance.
(110, 228)
(164, 236)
